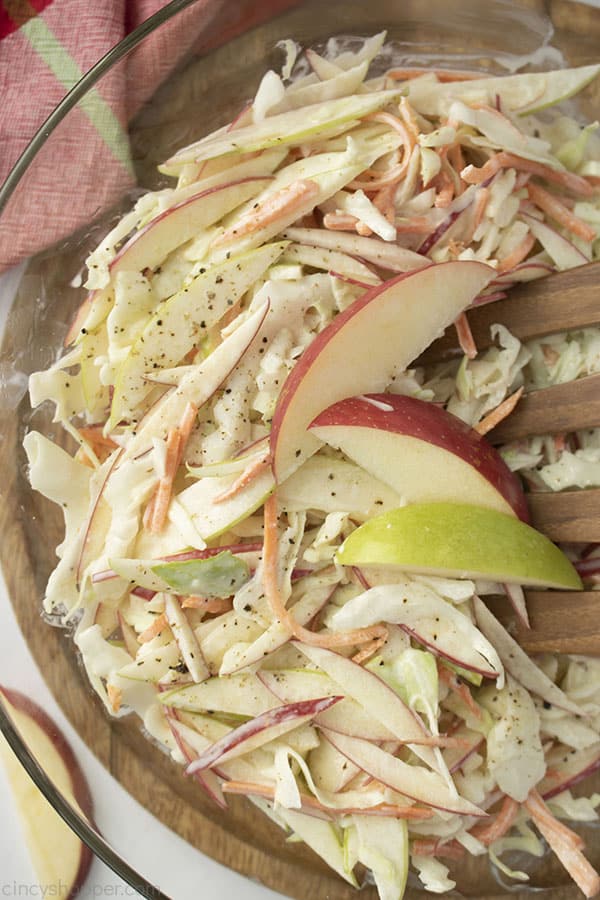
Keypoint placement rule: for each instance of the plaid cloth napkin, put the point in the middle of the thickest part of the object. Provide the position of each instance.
(45, 48)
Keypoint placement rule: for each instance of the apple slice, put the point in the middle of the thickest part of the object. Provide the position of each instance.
(456, 540)
(150, 246)
(365, 346)
(564, 254)
(60, 859)
(238, 695)
(523, 93)
(415, 782)
(421, 451)
(375, 696)
(295, 126)
(567, 767)
(347, 716)
(269, 726)
(386, 255)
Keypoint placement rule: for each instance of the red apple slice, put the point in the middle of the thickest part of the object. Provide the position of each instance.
(415, 782)
(176, 225)
(58, 855)
(261, 730)
(346, 717)
(365, 346)
(376, 697)
(567, 767)
(421, 451)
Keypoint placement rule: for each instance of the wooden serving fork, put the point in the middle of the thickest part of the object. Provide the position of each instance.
(561, 621)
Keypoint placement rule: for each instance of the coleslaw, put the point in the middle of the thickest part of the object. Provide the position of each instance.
(205, 591)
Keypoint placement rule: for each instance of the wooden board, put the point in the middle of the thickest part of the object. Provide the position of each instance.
(241, 838)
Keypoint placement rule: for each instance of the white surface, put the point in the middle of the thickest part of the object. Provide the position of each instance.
(169, 862)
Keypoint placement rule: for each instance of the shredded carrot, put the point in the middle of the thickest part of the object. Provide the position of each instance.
(207, 604)
(517, 255)
(481, 201)
(454, 155)
(488, 832)
(363, 229)
(379, 179)
(565, 844)
(255, 469)
(339, 222)
(100, 444)
(159, 624)
(445, 188)
(552, 206)
(409, 117)
(465, 336)
(436, 847)
(540, 812)
(442, 75)
(156, 511)
(496, 416)
(384, 201)
(162, 497)
(414, 225)
(115, 697)
(282, 202)
(459, 688)
(576, 184)
(308, 802)
(369, 650)
(270, 582)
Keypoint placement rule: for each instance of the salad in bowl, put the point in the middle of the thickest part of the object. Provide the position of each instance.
(280, 527)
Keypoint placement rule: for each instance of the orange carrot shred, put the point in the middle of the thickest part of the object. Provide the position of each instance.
(465, 336)
(207, 604)
(489, 832)
(115, 697)
(339, 222)
(284, 201)
(551, 205)
(517, 255)
(369, 649)
(576, 184)
(159, 624)
(496, 416)
(255, 469)
(459, 688)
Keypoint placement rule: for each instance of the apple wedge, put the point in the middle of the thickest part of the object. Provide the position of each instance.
(376, 697)
(365, 346)
(268, 726)
(523, 93)
(238, 695)
(421, 451)
(567, 767)
(415, 782)
(60, 859)
(456, 540)
(150, 246)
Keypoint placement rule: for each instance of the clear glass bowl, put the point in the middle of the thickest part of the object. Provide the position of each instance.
(218, 73)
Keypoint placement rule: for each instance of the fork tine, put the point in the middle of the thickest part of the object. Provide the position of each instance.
(567, 516)
(554, 410)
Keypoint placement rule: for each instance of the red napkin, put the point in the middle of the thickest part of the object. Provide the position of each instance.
(45, 47)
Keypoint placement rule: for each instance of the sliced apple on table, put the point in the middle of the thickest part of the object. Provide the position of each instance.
(365, 346)
(60, 859)
(457, 540)
(421, 451)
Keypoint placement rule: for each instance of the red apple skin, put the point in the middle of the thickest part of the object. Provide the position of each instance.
(81, 791)
(432, 424)
(132, 243)
(314, 350)
(590, 764)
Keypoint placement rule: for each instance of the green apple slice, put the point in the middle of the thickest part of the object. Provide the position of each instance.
(460, 541)
(525, 93)
(309, 123)
(215, 576)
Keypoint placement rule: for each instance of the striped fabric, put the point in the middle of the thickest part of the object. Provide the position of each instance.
(45, 47)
